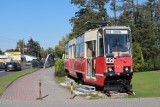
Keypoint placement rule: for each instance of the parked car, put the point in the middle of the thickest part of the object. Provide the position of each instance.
(12, 66)
(2, 65)
(37, 63)
(28, 63)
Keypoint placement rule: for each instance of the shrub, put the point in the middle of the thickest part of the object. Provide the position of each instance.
(138, 61)
(59, 68)
(152, 64)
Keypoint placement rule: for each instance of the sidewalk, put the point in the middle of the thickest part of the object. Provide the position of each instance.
(23, 88)
(26, 88)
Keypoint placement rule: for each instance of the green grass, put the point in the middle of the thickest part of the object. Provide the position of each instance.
(60, 79)
(146, 84)
(5, 81)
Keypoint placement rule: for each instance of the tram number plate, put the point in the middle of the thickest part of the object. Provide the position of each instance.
(109, 60)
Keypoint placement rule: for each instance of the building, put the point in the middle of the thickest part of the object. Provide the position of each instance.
(3, 59)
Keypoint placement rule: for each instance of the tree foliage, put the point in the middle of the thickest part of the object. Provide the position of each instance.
(138, 60)
(21, 45)
(82, 23)
(59, 68)
(144, 20)
(1, 51)
(33, 48)
(145, 30)
(59, 49)
(91, 11)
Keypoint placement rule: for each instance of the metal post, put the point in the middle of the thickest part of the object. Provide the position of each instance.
(40, 91)
(71, 90)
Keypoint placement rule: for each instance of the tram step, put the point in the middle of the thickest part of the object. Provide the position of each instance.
(83, 90)
(88, 87)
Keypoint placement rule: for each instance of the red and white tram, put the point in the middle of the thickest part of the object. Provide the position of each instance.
(101, 57)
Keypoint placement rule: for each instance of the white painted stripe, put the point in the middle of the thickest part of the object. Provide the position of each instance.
(79, 71)
(100, 75)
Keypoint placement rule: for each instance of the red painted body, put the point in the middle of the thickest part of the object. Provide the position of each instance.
(80, 65)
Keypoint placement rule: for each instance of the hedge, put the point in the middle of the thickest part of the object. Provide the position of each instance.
(59, 68)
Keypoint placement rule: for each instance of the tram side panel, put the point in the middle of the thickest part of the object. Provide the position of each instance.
(80, 67)
(100, 70)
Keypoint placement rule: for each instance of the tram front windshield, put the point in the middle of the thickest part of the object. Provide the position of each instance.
(117, 43)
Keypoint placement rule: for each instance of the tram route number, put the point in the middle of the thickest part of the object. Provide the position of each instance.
(109, 60)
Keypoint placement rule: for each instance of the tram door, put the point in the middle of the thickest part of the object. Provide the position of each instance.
(91, 54)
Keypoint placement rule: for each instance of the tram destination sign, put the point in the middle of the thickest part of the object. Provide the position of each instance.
(116, 31)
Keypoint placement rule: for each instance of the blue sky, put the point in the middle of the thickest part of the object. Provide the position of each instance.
(46, 21)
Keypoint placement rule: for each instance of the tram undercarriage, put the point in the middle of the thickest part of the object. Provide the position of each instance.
(118, 83)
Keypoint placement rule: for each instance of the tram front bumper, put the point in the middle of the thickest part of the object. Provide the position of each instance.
(118, 82)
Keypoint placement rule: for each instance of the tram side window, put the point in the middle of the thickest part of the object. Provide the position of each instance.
(89, 49)
(81, 46)
(66, 50)
(101, 49)
(79, 51)
(73, 51)
(70, 52)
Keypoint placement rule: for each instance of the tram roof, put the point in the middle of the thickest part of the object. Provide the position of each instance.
(108, 27)
(104, 27)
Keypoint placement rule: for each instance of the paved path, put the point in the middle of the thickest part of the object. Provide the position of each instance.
(23, 88)
(24, 91)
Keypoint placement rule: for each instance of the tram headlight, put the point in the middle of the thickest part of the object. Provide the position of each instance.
(127, 69)
(110, 69)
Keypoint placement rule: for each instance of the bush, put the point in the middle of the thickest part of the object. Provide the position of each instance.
(59, 68)
(152, 64)
(138, 61)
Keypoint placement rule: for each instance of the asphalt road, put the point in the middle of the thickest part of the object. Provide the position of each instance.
(3, 72)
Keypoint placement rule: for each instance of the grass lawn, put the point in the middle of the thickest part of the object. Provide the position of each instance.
(60, 79)
(8, 79)
(146, 84)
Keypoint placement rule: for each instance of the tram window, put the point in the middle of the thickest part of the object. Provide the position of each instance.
(82, 50)
(77, 50)
(101, 49)
(70, 52)
(74, 51)
(66, 53)
(66, 50)
(89, 49)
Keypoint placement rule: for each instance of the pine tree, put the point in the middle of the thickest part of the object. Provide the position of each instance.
(33, 48)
